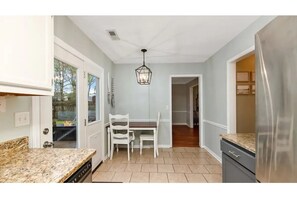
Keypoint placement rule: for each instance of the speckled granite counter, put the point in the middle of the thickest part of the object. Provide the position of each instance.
(22, 164)
(245, 140)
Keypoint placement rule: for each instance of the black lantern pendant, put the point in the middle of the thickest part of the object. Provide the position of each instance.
(143, 73)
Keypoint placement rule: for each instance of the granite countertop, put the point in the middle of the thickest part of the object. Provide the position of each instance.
(244, 140)
(41, 165)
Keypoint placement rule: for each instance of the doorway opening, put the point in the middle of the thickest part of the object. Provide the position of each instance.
(240, 91)
(245, 95)
(185, 115)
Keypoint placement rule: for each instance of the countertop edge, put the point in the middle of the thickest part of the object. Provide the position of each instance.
(63, 179)
(241, 140)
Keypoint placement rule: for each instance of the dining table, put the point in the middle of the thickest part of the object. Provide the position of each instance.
(137, 126)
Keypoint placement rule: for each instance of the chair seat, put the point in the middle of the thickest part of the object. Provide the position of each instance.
(124, 138)
(151, 137)
(146, 137)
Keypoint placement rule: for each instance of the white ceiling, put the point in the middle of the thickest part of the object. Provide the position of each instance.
(168, 39)
(182, 80)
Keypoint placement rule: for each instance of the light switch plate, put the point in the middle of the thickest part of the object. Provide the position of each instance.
(22, 119)
(2, 104)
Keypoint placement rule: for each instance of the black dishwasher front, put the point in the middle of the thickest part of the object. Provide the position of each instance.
(82, 175)
(238, 164)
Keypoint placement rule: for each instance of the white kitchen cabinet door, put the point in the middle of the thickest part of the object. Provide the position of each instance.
(26, 54)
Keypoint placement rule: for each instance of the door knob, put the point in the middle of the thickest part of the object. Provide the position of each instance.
(48, 144)
(45, 131)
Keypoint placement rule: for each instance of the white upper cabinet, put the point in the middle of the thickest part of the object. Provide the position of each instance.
(26, 55)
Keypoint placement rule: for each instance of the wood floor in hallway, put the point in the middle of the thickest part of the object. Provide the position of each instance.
(184, 136)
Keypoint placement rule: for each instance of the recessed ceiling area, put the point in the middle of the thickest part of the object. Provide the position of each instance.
(168, 39)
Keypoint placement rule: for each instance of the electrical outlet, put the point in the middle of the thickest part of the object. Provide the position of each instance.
(22, 119)
(2, 104)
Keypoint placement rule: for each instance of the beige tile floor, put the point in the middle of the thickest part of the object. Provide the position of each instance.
(173, 165)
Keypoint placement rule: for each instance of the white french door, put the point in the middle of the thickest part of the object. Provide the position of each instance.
(73, 117)
(93, 80)
(61, 114)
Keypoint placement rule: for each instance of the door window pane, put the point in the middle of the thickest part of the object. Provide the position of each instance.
(64, 105)
(93, 98)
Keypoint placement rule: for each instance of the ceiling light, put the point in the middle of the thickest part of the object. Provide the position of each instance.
(143, 73)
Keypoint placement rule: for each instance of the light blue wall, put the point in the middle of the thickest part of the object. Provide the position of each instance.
(215, 83)
(7, 129)
(66, 30)
(143, 102)
(179, 103)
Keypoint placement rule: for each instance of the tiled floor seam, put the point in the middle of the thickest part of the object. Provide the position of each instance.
(204, 178)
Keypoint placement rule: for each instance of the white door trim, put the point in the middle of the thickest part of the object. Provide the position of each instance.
(231, 89)
(86, 60)
(35, 126)
(200, 84)
(35, 129)
(191, 89)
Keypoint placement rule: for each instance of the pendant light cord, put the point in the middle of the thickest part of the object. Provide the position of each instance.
(143, 59)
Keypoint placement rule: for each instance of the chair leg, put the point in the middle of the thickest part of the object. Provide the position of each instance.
(111, 151)
(117, 148)
(155, 149)
(140, 147)
(128, 152)
(132, 145)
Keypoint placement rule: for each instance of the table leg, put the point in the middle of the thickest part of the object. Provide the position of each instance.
(155, 144)
(108, 142)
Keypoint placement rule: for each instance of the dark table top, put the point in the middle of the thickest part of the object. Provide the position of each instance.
(141, 124)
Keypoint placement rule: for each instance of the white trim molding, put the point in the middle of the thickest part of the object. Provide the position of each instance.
(180, 124)
(179, 112)
(213, 154)
(231, 88)
(35, 126)
(215, 124)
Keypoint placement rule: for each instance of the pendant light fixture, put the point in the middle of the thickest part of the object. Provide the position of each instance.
(143, 73)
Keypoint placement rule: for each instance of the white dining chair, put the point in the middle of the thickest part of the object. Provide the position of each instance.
(151, 137)
(120, 133)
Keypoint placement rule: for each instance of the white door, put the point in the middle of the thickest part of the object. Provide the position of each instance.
(73, 117)
(60, 114)
(94, 108)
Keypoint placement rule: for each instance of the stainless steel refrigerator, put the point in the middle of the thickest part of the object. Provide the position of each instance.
(276, 101)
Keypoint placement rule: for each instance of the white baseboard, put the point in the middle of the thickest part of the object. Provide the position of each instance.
(105, 157)
(212, 153)
(179, 124)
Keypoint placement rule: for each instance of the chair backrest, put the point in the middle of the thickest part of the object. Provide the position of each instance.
(119, 126)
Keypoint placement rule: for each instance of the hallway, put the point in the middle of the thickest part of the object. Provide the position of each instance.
(183, 136)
